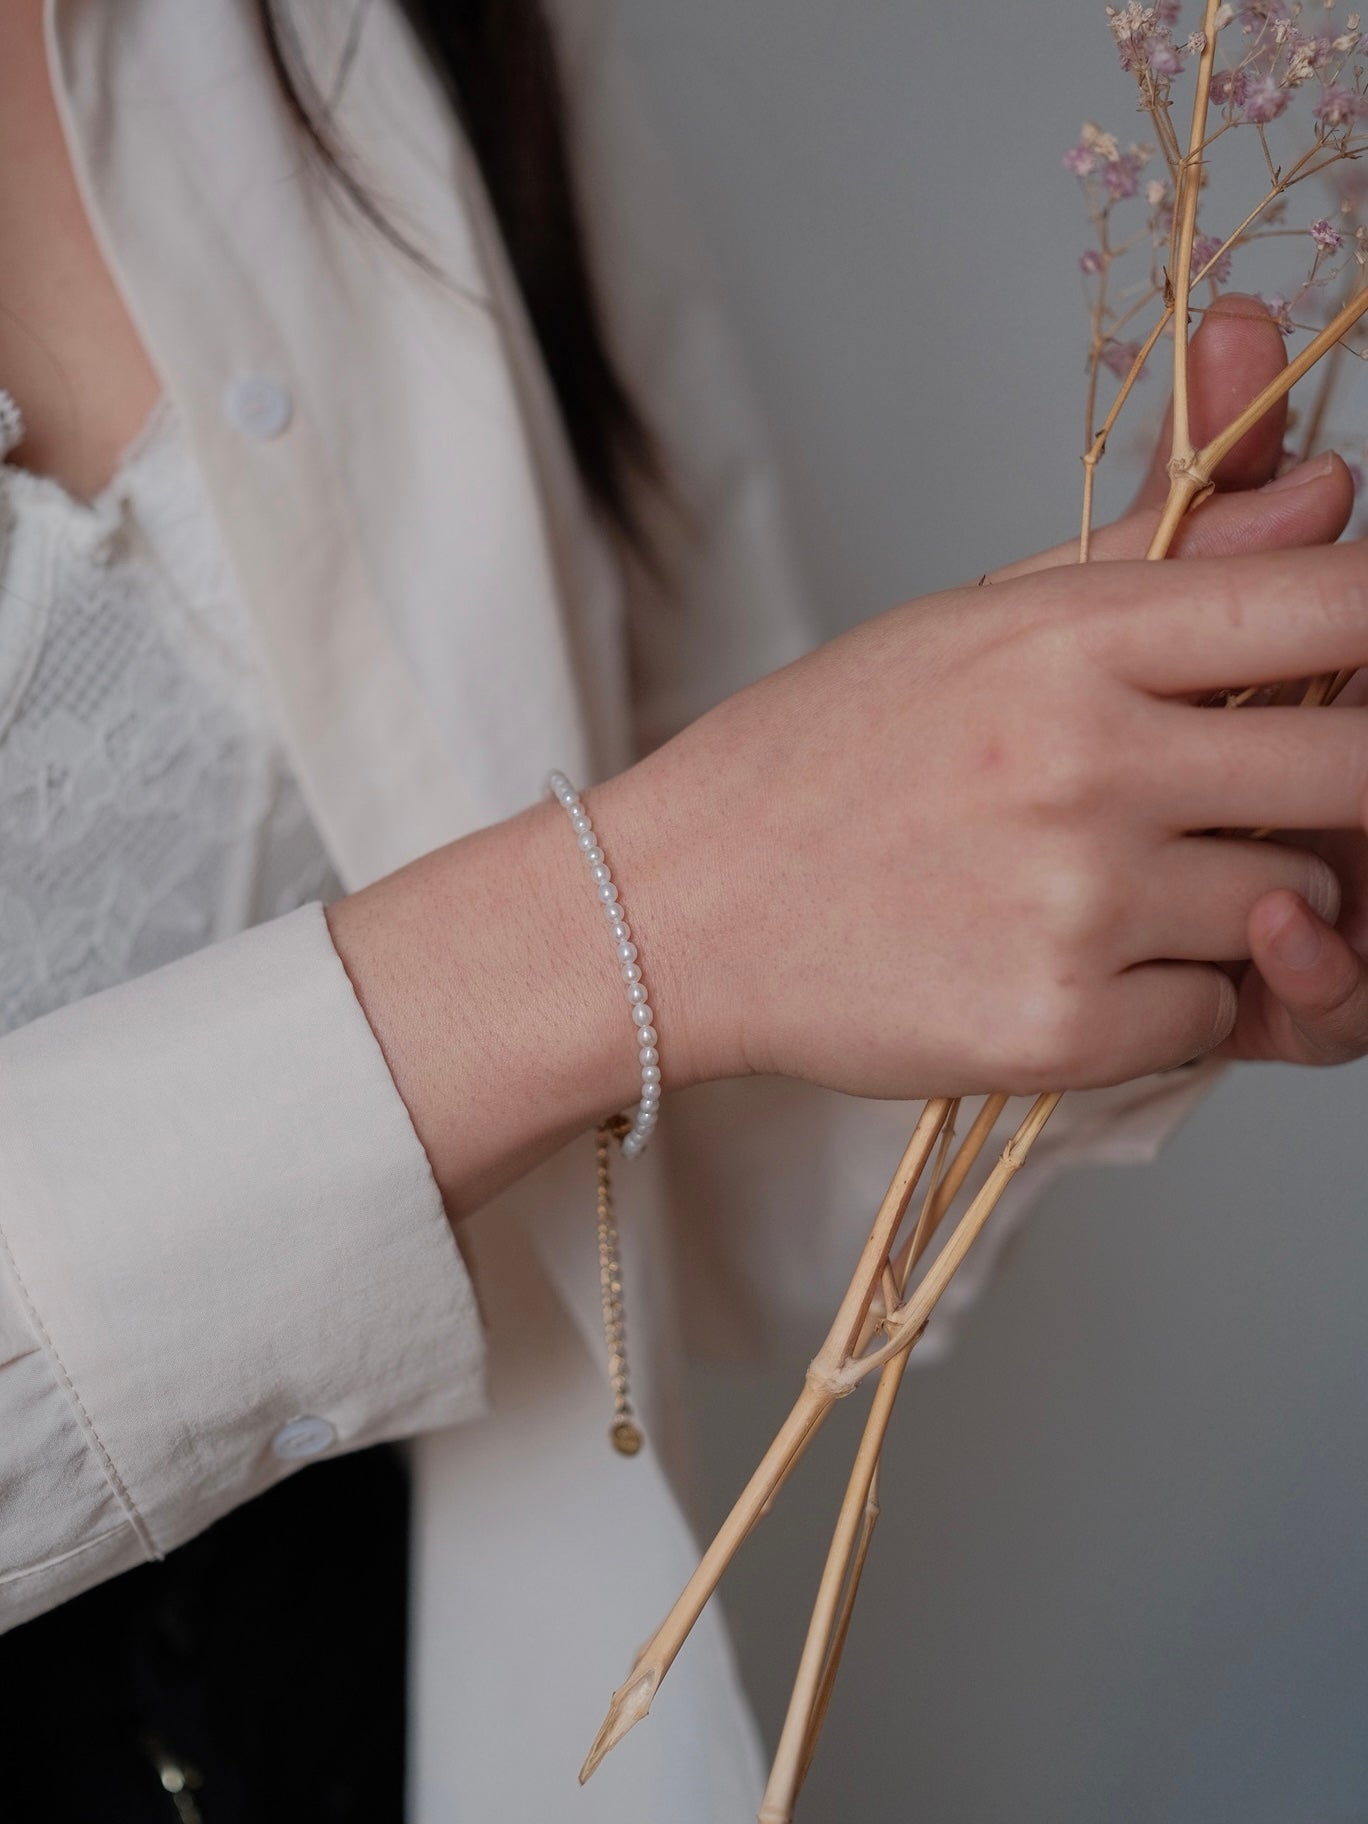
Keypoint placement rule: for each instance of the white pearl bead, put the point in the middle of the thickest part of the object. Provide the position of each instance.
(649, 1055)
(613, 911)
(650, 1073)
(647, 1035)
(599, 872)
(594, 852)
(607, 891)
(636, 993)
(631, 972)
(627, 953)
(643, 1014)
(621, 930)
(586, 841)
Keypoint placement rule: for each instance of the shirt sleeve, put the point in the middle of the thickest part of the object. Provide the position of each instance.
(222, 1253)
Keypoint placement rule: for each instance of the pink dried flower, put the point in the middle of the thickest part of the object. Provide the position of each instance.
(1264, 99)
(1338, 107)
(1327, 237)
(1123, 178)
(1143, 34)
(1119, 357)
(1280, 309)
(1206, 247)
(1166, 12)
(1228, 86)
(1256, 13)
(1091, 262)
(1080, 161)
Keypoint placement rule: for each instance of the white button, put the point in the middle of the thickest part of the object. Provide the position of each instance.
(257, 406)
(302, 1438)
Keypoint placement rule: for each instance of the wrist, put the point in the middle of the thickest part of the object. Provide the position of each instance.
(488, 975)
(678, 912)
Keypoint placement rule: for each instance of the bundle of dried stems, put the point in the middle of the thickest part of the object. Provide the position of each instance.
(898, 1280)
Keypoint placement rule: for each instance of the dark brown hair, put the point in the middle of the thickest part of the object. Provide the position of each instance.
(496, 60)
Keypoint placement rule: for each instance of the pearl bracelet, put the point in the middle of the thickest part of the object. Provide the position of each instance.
(644, 1120)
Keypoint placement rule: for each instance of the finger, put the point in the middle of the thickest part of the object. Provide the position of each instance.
(1310, 505)
(1250, 620)
(1237, 350)
(1318, 983)
(1257, 769)
(1199, 897)
(1163, 1015)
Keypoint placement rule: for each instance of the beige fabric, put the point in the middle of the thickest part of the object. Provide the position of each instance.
(217, 1215)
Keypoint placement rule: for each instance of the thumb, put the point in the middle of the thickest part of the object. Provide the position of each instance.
(1317, 985)
(1237, 350)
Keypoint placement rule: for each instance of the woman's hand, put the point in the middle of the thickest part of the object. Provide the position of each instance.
(961, 847)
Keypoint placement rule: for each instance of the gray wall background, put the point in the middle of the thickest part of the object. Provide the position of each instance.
(1122, 1572)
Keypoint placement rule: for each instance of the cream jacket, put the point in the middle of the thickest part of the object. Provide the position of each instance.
(221, 1247)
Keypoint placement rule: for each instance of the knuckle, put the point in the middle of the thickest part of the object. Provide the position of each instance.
(1321, 890)
(1055, 1033)
(1339, 597)
(1358, 747)
(1082, 903)
(1073, 767)
(1229, 600)
(1216, 1013)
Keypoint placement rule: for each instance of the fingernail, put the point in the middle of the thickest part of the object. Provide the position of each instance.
(1297, 941)
(1300, 477)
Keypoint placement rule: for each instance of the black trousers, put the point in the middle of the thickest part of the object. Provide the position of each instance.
(267, 1656)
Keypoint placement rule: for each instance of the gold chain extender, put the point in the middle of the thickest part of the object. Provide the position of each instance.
(624, 1432)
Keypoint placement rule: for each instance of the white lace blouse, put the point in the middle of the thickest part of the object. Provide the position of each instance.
(146, 807)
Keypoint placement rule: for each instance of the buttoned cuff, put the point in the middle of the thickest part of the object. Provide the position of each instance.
(224, 1253)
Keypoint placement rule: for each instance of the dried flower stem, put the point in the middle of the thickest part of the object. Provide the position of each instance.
(1190, 187)
(798, 1739)
(869, 1520)
(1098, 448)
